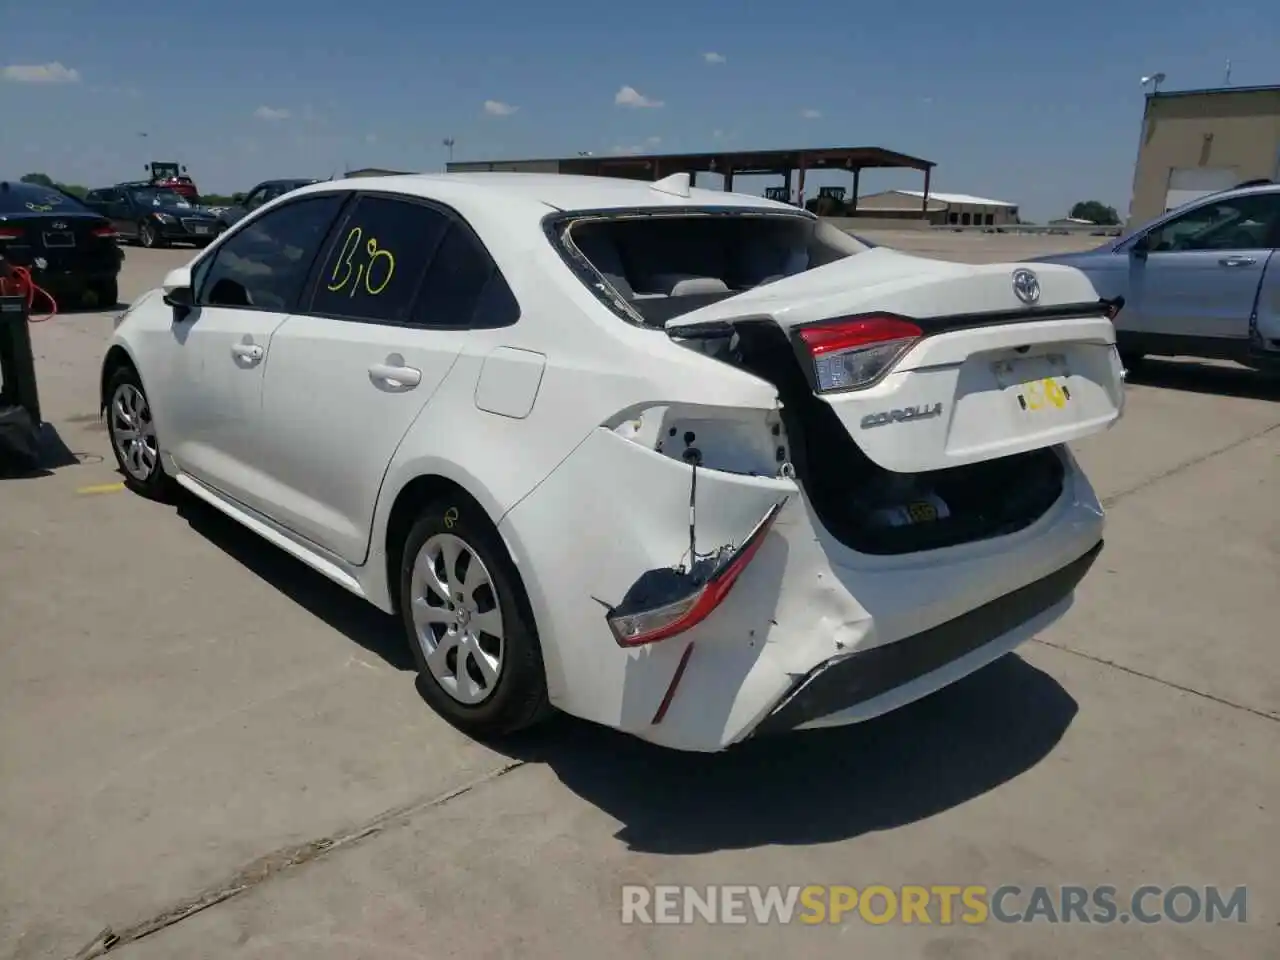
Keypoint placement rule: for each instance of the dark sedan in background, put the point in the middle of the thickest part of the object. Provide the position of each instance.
(153, 216)
(245, 203)
(68, 248)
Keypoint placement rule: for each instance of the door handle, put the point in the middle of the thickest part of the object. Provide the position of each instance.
(1237, 261)
(395, 377)
(246, 351)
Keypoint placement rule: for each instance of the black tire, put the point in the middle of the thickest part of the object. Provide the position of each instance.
(107, 293)
(154, 483)
(149, 237)
(518, 697)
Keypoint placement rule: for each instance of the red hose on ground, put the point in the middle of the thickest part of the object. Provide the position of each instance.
(18, 283)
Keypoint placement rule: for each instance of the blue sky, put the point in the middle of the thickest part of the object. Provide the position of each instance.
(1030, 102)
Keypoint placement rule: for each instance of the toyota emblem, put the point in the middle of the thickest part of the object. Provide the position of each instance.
(58, 225)
(1026, 287)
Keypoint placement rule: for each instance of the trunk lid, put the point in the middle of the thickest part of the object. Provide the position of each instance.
(992, 375)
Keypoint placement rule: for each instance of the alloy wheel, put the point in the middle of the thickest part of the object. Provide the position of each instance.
(133, 434)
(147, 234)
(457, 618)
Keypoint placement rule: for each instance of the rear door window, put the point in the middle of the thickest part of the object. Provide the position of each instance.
(376, 261)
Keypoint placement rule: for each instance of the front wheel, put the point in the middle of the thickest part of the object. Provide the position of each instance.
(133, 435)
(148, 236)
(469, 623)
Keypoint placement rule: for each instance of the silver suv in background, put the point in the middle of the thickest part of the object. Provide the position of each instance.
(1203, 280)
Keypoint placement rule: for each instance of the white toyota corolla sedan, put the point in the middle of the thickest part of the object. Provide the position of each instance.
(690, 464)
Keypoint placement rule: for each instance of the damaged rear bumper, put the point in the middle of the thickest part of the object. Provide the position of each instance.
(871, 682)
(812, 633)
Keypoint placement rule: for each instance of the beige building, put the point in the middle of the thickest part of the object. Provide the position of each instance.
(944, 209)
(1195, 142)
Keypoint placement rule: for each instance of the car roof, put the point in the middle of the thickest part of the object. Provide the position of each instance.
(559, 191)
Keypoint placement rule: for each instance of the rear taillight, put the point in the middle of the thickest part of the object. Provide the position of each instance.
(853, 352)
(10, 233)
(108, 232)
(634, 628)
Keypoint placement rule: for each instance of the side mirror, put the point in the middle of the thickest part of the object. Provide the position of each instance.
(177, 292)
(1142, 246)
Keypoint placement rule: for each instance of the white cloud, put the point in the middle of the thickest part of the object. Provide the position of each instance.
(271, 113)
(653, 140)
(718, 134)
(810, 113)
(41, 73)
(715, 57)
(631, 97)
(496, 108)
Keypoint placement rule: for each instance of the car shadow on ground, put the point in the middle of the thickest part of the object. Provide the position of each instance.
(799, 788)
(362, 623)
(816, 786)
(1190, 376)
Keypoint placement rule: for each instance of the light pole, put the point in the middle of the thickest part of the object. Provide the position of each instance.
(448, 143)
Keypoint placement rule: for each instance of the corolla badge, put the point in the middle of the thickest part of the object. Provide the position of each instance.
(902, 415)
(1026, 286)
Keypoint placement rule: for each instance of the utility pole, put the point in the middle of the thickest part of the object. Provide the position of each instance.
(448, 143)
(1226, 82)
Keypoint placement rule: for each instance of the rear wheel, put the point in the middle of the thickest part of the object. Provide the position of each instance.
(469, 623)
(133, 435)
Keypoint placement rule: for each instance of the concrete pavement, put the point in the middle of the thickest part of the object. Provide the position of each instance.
(188, 717)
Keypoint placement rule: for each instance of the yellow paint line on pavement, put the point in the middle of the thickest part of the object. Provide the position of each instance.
(101, 488)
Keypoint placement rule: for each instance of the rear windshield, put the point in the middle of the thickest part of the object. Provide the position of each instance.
(20, 198)
(662, 265)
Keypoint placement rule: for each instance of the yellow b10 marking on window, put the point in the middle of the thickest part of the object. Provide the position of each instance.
(1046, 392)
(922, 511)
(359, 276)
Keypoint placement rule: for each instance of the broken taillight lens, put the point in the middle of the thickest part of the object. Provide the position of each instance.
(853, 352)
(633, 628)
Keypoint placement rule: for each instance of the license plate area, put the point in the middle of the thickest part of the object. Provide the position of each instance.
(58, 240)
(1036, 386)
(200, 229)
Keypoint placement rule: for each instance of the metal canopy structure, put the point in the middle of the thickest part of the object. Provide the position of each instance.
(728, 164)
